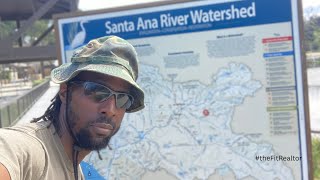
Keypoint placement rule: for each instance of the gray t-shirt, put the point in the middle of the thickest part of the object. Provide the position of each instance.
(34, 152)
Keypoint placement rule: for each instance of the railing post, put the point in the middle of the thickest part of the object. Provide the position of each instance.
(1, 117)
(9, 116)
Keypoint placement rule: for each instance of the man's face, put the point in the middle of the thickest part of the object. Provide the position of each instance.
(94, 123)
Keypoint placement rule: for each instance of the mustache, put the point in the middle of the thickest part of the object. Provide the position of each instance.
(104, 119)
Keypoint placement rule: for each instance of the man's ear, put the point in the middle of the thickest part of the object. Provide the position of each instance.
(63, 93)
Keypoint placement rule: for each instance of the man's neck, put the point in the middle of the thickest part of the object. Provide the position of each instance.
(67, 140)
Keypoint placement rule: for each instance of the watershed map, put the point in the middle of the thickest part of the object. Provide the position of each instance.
(185, 132)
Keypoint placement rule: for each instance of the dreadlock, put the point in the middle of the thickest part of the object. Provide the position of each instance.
(51, 114)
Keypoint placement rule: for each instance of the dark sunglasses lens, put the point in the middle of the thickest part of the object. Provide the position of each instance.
(124, 101)
(98, 92)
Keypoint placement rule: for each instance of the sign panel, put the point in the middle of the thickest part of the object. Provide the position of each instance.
(224, 84)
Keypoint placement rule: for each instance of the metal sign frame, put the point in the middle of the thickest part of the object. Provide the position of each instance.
(299, 55)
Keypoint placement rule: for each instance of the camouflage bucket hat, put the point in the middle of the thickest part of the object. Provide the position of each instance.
(108, 55)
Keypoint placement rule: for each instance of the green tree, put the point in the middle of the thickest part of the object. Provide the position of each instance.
(316, 40)
(8, 27)
(316, 157)
(312, 33)
(37, 29)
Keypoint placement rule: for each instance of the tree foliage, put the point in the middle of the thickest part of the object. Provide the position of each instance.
(312, 33)
(32, 33)
(6, 28)
(316, 157)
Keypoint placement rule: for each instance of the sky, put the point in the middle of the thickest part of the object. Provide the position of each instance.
(305, 3)
(100, 4)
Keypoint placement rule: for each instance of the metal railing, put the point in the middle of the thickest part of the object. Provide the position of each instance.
(12, 112)
(315, 132)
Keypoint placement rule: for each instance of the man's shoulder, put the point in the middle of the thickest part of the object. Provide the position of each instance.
(29, 128)
(25, 140)
(26, 132)
(22, 149)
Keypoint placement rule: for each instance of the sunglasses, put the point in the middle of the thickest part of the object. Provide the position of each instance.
(100, 93)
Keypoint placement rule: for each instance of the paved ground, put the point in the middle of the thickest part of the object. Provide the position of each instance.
(12, 90)
(314, 97)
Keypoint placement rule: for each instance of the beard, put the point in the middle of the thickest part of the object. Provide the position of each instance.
(84, 136)
(86, 141)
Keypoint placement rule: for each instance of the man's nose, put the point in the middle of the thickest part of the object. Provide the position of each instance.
(108, 107)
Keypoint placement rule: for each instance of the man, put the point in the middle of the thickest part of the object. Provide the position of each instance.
(96, 89)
